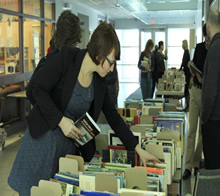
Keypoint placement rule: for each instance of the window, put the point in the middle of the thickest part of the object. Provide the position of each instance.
(160, 36)
(9, 5)
(48, 10)
(31, 7)
(32, 43)
(48, 35)
(9, 45)
(127, 66)
(175, 45)
(144, 37)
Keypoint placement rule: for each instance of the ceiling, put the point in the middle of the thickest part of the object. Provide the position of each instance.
(148, 11)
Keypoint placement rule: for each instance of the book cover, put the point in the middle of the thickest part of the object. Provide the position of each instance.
(145, 63)
(89, 128)
(67, 188)
(195, 70)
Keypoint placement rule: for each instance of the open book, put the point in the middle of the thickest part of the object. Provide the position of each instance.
(89, 128)
(195, 70)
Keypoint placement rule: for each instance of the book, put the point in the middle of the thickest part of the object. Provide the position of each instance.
(66, 187)
(195, 70)
(89, 128)
(145, 63)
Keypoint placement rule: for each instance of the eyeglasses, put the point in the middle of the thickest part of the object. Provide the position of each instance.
(110, 62)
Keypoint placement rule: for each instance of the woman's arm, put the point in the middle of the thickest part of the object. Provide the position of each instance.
(41, 85)
(139, 62)
(69, 129)
(145, 156)
(123, 132)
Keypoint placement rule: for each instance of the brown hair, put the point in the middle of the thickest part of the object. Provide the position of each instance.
(68, 31)
(104, 39)
(149, 44)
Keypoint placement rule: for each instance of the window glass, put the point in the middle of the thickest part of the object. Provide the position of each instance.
(160, 36)
(9, 5)
(48, 35)
(127, 66)
(175, 60)
(128, 73)
(145, 36)
(48, 10)
(31, 7)
(175, 46)
(32, 44)
(128, 37)
(129, 55)
(9, 45)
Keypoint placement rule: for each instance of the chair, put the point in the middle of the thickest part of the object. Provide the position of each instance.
(207, 183)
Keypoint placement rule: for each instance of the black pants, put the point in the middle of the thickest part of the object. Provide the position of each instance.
(211, 144)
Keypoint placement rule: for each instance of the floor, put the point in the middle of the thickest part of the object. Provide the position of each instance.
(7, 157)
(13, 142)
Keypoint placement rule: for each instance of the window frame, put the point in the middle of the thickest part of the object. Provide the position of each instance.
(22, 76)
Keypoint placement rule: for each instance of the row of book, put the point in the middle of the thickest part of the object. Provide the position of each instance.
(99, 179)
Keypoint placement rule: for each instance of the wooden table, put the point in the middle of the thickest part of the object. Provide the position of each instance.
(20, 94)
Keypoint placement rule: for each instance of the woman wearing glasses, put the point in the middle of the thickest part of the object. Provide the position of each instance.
(71, 83)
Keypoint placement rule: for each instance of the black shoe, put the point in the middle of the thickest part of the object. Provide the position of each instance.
(186, 174)
(186, 109)
(196, 170)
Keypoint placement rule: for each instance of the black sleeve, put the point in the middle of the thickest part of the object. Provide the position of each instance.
(139, 62)
(41, 85)
(117, 124)
(195, 55)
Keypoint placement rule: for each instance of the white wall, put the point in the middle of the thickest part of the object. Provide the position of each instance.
(76, 8)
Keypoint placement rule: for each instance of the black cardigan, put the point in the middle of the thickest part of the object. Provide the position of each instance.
(52, 88)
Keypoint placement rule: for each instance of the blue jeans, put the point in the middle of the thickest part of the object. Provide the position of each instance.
(146, 87)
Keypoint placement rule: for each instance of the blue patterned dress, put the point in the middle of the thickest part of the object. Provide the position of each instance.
(38, 158)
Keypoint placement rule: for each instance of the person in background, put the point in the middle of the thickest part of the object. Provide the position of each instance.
(185, 68)
(70, 84)
(145, 64)
(160, 60)
(113, 85)
(67, 22)
(211, 94)
(154, 71)
(194, 154)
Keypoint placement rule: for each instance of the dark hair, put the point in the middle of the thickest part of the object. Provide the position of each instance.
(104, 39)
(204, 30)
(68, 31)
(160, 44)
(149, 44)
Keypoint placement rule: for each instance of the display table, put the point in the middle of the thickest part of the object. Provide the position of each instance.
(20, 94)
(179, 94)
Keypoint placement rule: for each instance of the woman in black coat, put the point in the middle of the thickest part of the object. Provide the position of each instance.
(71, 83)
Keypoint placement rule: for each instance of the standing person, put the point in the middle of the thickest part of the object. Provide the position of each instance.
(70, 84)
(154, 71)
(146, 66)
(66, 23)
(211, 94)
(113, 85)
(185, 68)
(194, 154)
(160, 60)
